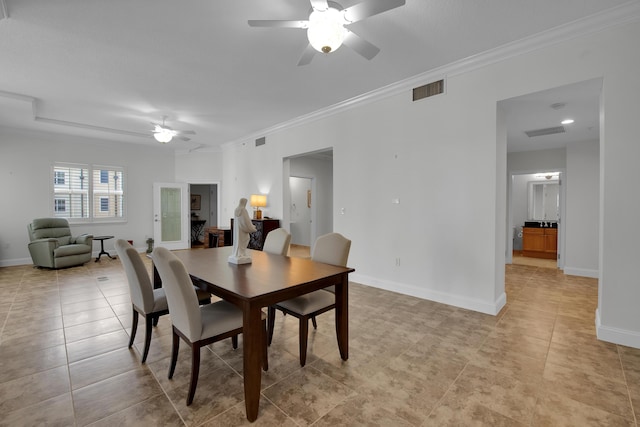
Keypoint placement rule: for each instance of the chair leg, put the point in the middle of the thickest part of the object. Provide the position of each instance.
(195, 370)
(265, 356)
(234, 342)
(134, 327)
(148, 320)
(155, 320)
(304, 332)
(313, 320)
(174, 354)
(271, 317)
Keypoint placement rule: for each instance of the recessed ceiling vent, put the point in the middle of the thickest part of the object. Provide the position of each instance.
(435, 88)
(546, 131)
(261, 141)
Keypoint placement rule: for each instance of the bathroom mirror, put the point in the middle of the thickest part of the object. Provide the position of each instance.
(544, 197)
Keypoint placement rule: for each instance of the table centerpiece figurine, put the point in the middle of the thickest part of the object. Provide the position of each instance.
(242, 227)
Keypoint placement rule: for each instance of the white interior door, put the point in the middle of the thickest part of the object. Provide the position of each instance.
(300, 210)
(171, 215)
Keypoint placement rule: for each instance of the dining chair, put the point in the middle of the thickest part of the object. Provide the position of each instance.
(151, 303)
(277, 242)
(197, 326)
(332, 248)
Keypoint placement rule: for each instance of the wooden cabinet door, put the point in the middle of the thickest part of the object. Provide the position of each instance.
(551, 240)
(533, 239)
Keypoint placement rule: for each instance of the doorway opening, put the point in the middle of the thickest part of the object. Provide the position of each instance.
(536, 207)
(557, 129)
(204, 212)
(308, 197)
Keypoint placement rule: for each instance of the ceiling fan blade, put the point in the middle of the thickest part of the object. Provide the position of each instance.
(274, 23)
(369, 8)
(183, 138)
(319, 4)
(360, 45)
(186, 132)
(307, 55)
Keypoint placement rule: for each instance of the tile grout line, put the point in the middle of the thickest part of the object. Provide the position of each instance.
(15, 295)
(626, 383)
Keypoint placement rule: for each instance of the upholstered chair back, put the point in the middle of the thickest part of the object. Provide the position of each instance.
(45, 228)
(332, 248)
(277, 242)
(140, 286)
(178, 287)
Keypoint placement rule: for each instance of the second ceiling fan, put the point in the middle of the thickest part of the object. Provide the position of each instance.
(326, 26)
(164, 134)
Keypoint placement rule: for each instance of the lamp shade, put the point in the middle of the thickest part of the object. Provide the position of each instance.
(258, 200)
(326, 30)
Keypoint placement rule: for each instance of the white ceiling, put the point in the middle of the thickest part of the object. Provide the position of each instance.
(106, 69)
(547, 109)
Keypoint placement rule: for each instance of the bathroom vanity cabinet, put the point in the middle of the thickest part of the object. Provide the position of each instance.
(540, 242)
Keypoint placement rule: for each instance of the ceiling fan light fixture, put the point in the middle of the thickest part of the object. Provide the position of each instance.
(326, 30)
(163, 135)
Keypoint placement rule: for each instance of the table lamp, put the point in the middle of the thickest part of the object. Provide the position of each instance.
(258, 201)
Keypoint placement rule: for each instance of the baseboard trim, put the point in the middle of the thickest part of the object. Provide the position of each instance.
(615, 335)
(15, 262)
(582, 272)
(492, 307)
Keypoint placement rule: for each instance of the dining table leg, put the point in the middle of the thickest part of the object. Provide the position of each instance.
(342, 316)
(252, 342)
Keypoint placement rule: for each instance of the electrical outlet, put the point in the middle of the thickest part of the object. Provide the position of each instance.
(398, 262)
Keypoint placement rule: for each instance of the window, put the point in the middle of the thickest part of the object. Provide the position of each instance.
(59, 178)
(60, 205)
(88, 192)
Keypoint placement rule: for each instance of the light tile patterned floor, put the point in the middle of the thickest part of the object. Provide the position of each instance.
(64, 360)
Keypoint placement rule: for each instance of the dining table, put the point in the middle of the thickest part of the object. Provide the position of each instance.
(267, 280)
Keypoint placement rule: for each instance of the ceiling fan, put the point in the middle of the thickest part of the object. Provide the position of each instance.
(164, 134)
(326, 26)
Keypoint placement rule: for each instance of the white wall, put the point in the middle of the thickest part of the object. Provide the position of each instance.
(618, 317)
(520, 199)
(25, 164)
(536, 161)
(440, 158)
(582, 209)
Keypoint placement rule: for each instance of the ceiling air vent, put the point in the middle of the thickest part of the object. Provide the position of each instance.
(261, 141)
(546, 131)
(435, 88)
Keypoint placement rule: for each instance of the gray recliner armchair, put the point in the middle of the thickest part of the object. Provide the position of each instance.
(51, 244)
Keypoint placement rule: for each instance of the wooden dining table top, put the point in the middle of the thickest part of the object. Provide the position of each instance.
(267, 277)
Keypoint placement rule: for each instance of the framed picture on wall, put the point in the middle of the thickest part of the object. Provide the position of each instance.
(195, 202)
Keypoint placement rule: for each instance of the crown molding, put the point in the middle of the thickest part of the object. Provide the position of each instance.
(623, 14)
